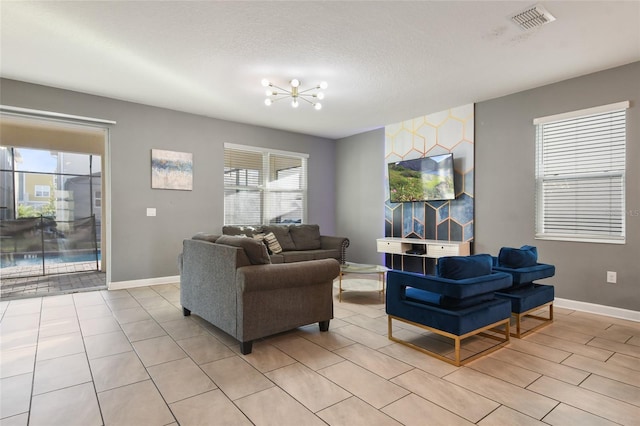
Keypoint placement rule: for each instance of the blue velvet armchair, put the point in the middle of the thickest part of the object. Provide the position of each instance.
(457, 303)
(525, 295)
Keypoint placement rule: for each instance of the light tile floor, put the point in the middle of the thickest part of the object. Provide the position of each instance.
(129, 357)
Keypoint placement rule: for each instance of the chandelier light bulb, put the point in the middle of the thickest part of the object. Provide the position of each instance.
(268, 102)
(320, 95)
(294, 103)
(265, 82)
(324, 85)
(295, 82)
(269, 92)
(317, 106)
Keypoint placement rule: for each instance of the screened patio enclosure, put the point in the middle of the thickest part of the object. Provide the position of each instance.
(50, 204)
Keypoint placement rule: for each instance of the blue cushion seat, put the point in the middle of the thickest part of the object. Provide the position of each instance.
(528, 298)
(455, 321)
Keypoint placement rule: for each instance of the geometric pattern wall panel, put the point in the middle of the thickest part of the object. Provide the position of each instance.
(450, 131)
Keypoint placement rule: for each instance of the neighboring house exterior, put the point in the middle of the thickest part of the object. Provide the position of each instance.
(35, 189)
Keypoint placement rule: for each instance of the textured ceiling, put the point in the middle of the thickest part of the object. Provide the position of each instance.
(384, 61)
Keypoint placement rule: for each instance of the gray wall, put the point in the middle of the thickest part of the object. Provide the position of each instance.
(360, 194)
(147, 247)
(505, 187)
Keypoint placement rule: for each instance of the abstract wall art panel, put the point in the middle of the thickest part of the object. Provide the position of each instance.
(171, 170)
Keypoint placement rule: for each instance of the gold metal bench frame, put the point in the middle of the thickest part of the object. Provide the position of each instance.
(457, 339)
(545, 321)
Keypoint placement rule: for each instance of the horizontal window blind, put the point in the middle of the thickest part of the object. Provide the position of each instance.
(580, 172)
(264, 186)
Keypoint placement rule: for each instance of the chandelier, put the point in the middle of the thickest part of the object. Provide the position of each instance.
(275, 93)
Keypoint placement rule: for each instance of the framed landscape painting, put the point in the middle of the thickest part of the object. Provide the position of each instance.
(171, 170)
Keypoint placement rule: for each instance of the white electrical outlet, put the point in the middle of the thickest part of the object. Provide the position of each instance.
(612, 277)
(151, 211)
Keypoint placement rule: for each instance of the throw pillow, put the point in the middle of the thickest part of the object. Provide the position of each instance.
(523, 257)
(272, 243)
(306, 237)
(462, 267)
(281, 232)
(255, 250)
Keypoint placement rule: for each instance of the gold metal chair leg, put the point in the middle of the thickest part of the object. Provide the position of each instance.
(545, 321)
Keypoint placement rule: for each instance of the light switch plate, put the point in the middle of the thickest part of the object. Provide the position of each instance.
(151, 211)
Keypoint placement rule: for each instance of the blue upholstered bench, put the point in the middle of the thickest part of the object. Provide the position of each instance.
(526, 295)
(458, 303)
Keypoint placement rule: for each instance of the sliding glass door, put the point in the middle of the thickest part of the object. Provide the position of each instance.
(51, 211)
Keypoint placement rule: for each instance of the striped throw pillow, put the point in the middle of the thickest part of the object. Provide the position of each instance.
(273, 243)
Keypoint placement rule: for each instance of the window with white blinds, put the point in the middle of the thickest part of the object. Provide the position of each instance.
(264, 186)
(580, 175)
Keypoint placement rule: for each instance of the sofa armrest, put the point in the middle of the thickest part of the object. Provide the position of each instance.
(286, 275)
(207, 282)
(335, 243)
(458, 289)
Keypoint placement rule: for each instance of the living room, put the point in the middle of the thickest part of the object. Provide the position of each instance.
(343, 198)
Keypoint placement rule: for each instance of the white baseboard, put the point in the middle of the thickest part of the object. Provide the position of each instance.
(592, 308)
(120, 285)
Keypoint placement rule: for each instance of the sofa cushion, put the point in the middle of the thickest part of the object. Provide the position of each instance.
(255, 250)
(282, 235)
(522, 257)
(298, 256)
(462, 267)
(276, 258)
(272, 243)
(306, 237)
(325, 254)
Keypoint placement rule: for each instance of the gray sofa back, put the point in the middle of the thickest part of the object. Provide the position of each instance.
(299, 242)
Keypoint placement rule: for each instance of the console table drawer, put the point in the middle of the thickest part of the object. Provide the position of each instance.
(394, 247)
(434, 250)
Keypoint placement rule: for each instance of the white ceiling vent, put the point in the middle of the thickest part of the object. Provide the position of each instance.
(533, 17)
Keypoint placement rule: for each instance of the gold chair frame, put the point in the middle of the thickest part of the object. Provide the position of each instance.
(457, 339)
(545, 321)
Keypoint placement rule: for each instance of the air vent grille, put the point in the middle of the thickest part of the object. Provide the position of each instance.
(533, 17)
